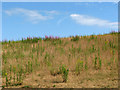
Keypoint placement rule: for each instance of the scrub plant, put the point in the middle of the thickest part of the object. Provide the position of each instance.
(93, 48)
(73, 51)
(20, 74)
(6, 79)
(79, 49)
(100, 63)
(31, 66)
(47, 59)
(92, 37)
(26, 68)
(17, 77)
(95, 62)
(14, 71)
(42, 50)
(64, 71)
(86, 64)
(76, 38)
(36, 62)
(79, 66)
(69, 58)
(10, 73)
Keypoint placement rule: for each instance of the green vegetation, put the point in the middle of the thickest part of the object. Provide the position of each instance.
(76, 38)
(64, 71)
(79, 67)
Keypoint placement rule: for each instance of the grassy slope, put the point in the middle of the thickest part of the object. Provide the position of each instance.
(37, 64)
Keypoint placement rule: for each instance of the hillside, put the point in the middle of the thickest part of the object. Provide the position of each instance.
(74, 62)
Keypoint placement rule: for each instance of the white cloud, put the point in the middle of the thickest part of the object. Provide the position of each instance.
(91, 21)
(51, 12)
(32, 15)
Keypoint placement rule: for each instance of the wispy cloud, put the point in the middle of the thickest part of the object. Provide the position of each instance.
(61, 20)
(51, 12)
(32, 15)
(92, 21)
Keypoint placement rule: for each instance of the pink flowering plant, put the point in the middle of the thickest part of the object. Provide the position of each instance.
(31, 40)
(51, 38)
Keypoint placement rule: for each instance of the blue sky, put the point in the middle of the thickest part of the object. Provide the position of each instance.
(61, 19)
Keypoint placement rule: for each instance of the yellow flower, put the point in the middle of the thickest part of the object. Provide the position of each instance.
(6, 74)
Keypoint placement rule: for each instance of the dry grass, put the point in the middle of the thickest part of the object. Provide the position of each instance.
(45, 65)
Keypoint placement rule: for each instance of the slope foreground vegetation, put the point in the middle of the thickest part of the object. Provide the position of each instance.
(53, 62)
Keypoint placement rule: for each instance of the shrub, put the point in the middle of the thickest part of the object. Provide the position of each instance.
(64, 73)
(92, 37)
(76, 38)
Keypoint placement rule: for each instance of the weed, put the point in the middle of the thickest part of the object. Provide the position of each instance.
(42, 50)
(73, 51)
(14, 71)
(86, 67)
(31, 66)
(79, 66)
(47, 59)
(54, 85)
(26, 68)
(95, 63)
(64, 72)
(17, 77)
(86, 64)
(69, 58)
(6, 79)
(92, 37)
(33, 49)
(100, 63)
(3, 73)
(79, 49)
(31, 40)
(20, 74)
(76, 38)
(50, 38)
(36, 62)
(93, 48)
(3, 86)
(10, 73)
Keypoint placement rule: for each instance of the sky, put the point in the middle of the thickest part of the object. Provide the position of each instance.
(63, 19)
